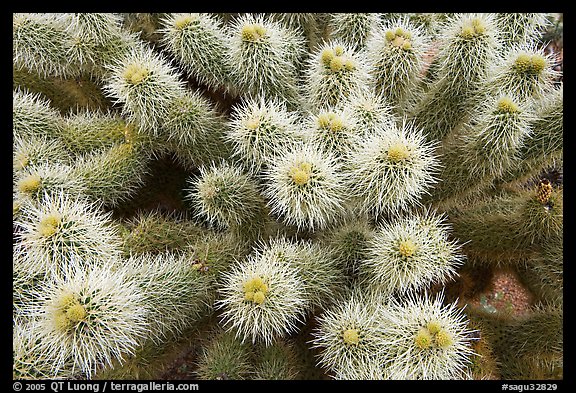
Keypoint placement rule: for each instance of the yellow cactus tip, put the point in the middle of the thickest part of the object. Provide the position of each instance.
(433, 327)
(61, 322)
(398, 152)
(349, 65)
(505, 104)
(30, 184)
(390, 35)
(135, 73)
(407, 248)
(257, 282)
(407, 35)
(423, 339)
(538, 63)
(523, 62)
(259, 297)
(467, 32)
(399, 31)
(252, 32)
(76, 313)
(184, 20)
(351, 336)
(407, 45)
(479, 26)
(249, 295)
(49, 225)
(67, 299)
(336, 124)
(336, 64)
(323, 120)
(260, 30)
(444, 339)
(300, 177)
(252, 123)
(338, 50)
(326, 56)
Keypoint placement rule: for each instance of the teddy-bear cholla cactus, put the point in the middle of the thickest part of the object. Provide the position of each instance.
(334, 130)
(425, 339)
(33, 151)
(370, 111)
(391, 169)
(468, 47)
(353, 28)
(521, 28)
(199, 43)
(305, 187)
(223, 357)
(88, 317)
(333, 72)
(264, 56)
(396, 57)
(410, 254)
(32, 115)
(262, 298)
(260, 129)
(62, 228)
(349, 337)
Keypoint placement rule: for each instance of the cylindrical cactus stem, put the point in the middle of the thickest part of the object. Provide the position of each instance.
(32, 115)
(396, 57)
(262, 298)
(308, 24)
(334, 130)
(353, 28)
(62, 229)
(469, 46)
(199, 43)
(391, 169)
(305, 187)
(32, 151)
(370, 111)
(224, 357)
(264, 57)
(226, 197)
(88, 131)
(544, 146)
(333, 72)
(194, 130)
(146, 85)
(350, 337)
(175, 293)
(112, 175)
(276, 362)
(426, 339)
(87, 317)
(544, 274)
(261, 129)
(41, 45)
(521, 28)
(410, 254)
(34, 182)
(486, 149)
(527, 71)
(154, 232)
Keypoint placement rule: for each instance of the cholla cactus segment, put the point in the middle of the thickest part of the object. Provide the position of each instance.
(353, 28)
(87, 131)
(334, 130)
(350, 337)
(224, 357)
(32, 115)
(34, 181)
(521, 28)
(112, 175)
(262, 298)
(425, 339)
(370, 111)
(277, 362)
(33, 151)
(391, 169)
(225, 196)
(145, 84)
(175, 292)
(304, 186)
(264, 56)
(410, 255)
(260, 129)
(333, 72)
(88, 316)
(469, 46)
(40, 44)
(527, 71)
(199, 43)
(61, 228)
(28, 361)
(541, 220)
(396, 56)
